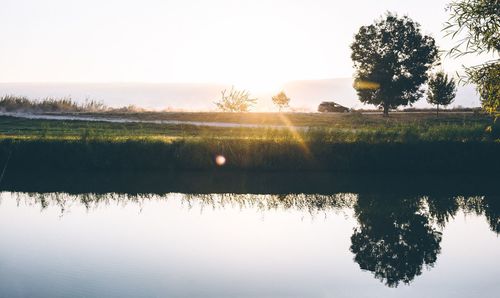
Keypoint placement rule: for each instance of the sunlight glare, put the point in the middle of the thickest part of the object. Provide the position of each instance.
(293, 130)
(366, 85)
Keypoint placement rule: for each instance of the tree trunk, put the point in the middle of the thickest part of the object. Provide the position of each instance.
(437, 111)
(386, 111)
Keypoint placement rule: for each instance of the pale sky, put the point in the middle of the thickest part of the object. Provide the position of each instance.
(253, 44)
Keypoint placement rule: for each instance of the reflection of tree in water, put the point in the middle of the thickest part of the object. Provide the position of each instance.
(442, 208)
(489, 206)
(439, 208)
(492, 213)
(395, 239)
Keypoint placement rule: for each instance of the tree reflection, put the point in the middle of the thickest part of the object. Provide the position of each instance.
(442, 208)
(492, 213)
(395, 239)
(489, 206)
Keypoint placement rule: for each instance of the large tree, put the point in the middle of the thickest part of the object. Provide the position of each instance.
(392, 59)
(476, 24)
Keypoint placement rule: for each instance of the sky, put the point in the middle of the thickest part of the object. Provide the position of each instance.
(257, 44)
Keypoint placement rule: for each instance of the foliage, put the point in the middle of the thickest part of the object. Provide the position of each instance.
(392, 58)
(487, 80)
(10, 103)
(235, 101)
(91, 153)
(281, 100)
(479, 21)
(337, 143)
(442, 90)
(357, 144)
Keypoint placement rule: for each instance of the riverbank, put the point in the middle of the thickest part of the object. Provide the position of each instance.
(363, 144)
(249, 155)
(255, 120)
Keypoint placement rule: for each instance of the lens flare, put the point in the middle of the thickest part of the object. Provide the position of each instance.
(366, 85)
(220, 160)
(296, 135)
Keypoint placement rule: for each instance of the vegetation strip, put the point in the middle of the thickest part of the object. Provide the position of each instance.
(262, 155)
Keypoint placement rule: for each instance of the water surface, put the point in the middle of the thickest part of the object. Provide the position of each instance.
(365, 243)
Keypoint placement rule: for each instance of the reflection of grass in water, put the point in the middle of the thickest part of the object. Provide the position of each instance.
(395, 237)
(310, 203)
(439, 210)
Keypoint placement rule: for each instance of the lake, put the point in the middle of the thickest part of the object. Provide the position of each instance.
(248, 235)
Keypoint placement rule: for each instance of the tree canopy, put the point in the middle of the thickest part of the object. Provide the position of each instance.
(392, 58)
(281, 100)
(235, 101)
(476, 24)
(442, 90)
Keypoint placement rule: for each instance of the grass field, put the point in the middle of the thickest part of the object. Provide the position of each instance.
(400, 127)
(333, 142)
(305, 119)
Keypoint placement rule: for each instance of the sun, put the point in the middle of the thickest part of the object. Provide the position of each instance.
(256, 72)
(259, 84)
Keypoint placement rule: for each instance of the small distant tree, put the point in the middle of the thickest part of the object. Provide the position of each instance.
(392, 58)
(281, 100)
(441, 91)
(235, 101)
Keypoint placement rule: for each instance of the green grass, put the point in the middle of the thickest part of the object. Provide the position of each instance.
(364, 128)
(354, 119)
(199, 154)
(359, 143)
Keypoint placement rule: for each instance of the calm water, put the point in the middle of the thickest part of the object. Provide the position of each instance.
(369, 242)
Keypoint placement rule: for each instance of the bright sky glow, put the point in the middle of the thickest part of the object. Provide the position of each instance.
(255, 44)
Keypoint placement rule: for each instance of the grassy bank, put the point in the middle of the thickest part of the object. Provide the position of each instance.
(356, 119)
(356, 146)
(340, 128)
(250, 155)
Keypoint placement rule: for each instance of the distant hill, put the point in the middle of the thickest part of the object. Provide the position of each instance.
(306, 95)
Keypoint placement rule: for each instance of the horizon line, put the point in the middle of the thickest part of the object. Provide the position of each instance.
(161, 82)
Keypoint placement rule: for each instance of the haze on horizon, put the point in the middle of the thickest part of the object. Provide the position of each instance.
(258, 45)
